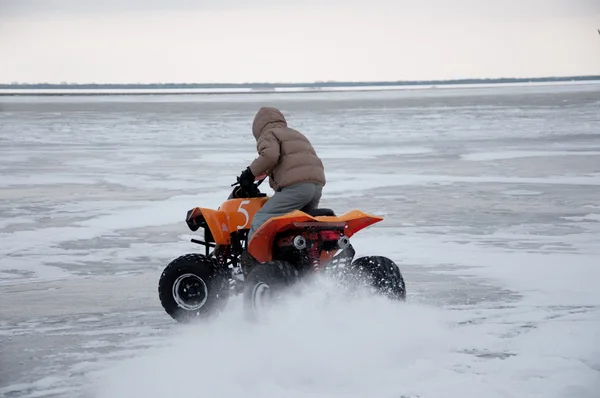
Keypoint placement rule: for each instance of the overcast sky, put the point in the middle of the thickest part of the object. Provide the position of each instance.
(128, 41)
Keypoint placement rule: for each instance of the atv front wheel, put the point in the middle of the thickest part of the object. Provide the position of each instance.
(192, 287)
(380, 273)
(264, 285)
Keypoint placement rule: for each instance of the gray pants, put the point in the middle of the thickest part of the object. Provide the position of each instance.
(303, 196)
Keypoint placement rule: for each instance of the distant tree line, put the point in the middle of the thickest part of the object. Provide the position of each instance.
(100, 86)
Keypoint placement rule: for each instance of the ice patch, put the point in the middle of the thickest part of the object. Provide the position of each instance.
(12, 266)
(502, 155)
(15, 156)
(371, 153)
(241, 157)
(522, 192)
(46, 385)
(150, 214)
(15, 221)
(45, 179)
(589, 217)
(571, 327)
(146, 214)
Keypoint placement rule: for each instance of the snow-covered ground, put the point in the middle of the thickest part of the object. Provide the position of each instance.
(492, 206)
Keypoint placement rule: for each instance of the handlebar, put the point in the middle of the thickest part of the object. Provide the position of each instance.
(256, 182)
(249, 192)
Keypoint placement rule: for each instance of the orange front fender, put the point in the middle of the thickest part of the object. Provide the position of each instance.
(240, 212)
(216, 221)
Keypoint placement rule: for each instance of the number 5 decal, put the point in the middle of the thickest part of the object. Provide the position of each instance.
(244, 212)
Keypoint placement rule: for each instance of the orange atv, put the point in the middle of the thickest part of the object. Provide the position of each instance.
(283, 250)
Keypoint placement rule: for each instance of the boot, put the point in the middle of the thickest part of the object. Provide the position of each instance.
(248, 262)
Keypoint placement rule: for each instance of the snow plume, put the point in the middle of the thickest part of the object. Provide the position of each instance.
(322, 343)
(325, 343)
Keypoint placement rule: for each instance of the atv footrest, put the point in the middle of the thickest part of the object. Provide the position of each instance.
(203, 243)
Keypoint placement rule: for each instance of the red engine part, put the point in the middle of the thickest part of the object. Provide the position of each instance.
(330, 235)
(313, 255)
(313, 248)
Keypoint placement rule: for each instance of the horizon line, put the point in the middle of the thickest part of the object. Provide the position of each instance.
(311, 83)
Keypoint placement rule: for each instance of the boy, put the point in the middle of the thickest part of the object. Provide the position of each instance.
(296, 173)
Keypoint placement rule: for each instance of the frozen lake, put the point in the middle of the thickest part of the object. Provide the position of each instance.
(492, 206)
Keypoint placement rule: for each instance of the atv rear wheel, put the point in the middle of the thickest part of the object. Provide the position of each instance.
(380, 273)
(193, 287)
(264, 284)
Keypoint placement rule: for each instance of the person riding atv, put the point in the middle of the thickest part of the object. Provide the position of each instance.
(292, 238)
(296, 173)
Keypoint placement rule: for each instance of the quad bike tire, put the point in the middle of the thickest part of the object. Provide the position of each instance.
(272, 279)
(192, 287)
(379, 273)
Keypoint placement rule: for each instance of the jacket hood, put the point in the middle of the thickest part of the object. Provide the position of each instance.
(267, 117)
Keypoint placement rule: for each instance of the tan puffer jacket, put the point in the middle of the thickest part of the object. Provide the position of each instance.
(285, 154)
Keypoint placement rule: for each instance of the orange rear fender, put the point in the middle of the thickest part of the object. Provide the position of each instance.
(355, 220)
(260, 244)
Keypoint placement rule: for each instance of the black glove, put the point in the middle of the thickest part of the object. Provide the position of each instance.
(246, 179)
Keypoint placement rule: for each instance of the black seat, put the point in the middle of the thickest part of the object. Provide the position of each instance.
(321, 212)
